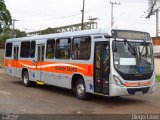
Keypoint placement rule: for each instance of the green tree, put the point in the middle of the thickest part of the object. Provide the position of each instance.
(17, 33)
(5, 16)
(48, 31)
(12, 34)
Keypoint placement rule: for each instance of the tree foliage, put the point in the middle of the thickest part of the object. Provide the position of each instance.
(46, 31)
(49, 31)
(12, 34)
(17, 33)
(5, 16)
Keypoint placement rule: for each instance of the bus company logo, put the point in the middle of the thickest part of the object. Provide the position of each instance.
(33, 62)
(70, 69)
(138, 75)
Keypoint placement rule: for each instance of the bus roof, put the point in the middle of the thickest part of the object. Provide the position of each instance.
(103, 31)
(65, 34)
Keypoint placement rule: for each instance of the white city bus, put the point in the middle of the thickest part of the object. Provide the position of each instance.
(106, 62)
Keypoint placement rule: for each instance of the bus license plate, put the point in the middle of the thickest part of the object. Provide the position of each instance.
(138, 93)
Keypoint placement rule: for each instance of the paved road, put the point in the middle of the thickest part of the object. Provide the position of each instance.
(15, 98)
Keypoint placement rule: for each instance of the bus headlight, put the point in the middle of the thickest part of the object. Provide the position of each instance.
(117, 80)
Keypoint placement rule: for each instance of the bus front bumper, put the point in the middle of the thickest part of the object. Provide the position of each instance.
(116, 90)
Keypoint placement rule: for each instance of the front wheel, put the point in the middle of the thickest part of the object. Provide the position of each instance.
(80, 90)
(25, 78)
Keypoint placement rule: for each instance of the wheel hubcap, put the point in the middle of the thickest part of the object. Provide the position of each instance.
(25, 78)
(80, 89)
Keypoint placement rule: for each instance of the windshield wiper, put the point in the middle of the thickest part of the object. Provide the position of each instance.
(133, 50)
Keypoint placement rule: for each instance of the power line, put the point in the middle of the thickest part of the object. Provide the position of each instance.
(68, 16)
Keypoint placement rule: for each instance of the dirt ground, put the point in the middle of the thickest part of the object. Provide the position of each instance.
(15, 98)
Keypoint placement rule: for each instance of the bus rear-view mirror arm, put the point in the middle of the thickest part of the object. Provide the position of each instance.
(114, 45)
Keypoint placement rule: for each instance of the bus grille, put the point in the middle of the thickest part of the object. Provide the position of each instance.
(134, 90)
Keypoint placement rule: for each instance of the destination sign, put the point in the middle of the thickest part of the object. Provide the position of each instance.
(124, 34)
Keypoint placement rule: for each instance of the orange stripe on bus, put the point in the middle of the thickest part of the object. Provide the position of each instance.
(136, 84)
(57, 67)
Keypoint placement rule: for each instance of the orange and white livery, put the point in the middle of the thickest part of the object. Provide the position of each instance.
(102, 61)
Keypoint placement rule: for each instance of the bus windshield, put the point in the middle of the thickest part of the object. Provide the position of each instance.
(133, 57)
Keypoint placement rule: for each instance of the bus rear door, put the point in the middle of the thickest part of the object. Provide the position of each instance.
(15, 59)
(39, 63)
(101, 67)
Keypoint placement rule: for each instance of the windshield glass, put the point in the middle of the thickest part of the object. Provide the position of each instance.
(133, 57)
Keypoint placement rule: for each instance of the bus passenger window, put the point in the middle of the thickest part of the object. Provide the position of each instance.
(32, 50)
(25, 49)
(8, 49)
(50, 49)
(63, 48)
(81, 48)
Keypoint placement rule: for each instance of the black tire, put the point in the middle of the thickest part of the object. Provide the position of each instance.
(25, 78)
(80, 90)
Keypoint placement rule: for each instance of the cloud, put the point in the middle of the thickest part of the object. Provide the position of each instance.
(40, 14)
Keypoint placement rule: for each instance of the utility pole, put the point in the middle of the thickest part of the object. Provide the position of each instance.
(154, 7)
(13, 23)
(112, 16)
(157, 22)
(82, 26)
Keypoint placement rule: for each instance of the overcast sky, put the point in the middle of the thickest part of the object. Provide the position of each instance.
(40, 14)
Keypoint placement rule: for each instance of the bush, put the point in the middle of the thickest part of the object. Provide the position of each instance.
(158, 78)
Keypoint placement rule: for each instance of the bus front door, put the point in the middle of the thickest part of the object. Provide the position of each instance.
(40, 60)
(15, 59)
(101, 67)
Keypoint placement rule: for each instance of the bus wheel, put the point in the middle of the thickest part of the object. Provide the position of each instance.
(25, 79)
(80, 90)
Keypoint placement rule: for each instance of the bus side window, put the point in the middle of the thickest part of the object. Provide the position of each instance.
(25, 49)
(32, 50)
(50, 49)
(81, 48)
(8, 50)
(63, 48)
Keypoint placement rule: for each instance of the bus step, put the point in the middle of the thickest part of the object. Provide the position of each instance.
(40, 82)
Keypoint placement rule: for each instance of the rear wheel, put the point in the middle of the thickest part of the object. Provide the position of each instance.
(80, 89)
(25, 78)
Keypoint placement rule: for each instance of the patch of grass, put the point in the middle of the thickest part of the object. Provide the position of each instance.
(158, 78)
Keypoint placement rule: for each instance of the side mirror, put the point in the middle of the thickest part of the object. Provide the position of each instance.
(114, 46)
